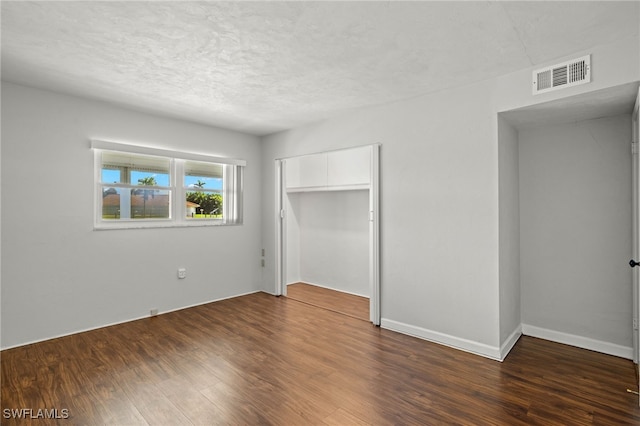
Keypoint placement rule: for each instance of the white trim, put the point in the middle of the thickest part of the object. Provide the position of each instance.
(635, 226)
(329, 288)
(374, 236)
(477, 348)
(147, 150)
(578, 341)
(162, 223)
(328, 188)
(331, 150)
(128, 320)
(510, 342)
(281, 246)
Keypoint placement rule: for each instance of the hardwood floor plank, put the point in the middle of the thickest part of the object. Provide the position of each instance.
(259, 359)
(344, 303)
(191, 402)
(341, 417)
(139, 385)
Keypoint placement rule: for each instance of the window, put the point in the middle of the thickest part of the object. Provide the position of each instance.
(203, 186)
(148, 187)
(135, 187)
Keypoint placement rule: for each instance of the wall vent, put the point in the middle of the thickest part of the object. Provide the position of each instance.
(566, 74)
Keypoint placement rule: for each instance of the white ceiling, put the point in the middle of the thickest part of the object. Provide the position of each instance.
(261, 67)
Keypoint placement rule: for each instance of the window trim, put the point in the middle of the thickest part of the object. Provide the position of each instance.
(159, 152)
(232, 190)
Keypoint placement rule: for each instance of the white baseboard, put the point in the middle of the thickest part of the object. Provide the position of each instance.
(125, 321)
(509, 343)
(330, 288)
(492, 352)
(578, 341)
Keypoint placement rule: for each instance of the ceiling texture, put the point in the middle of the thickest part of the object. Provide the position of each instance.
(262, 67)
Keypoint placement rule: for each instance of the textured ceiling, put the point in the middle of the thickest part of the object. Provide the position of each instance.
(261, 67)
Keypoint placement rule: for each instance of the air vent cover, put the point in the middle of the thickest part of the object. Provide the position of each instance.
(565, 74)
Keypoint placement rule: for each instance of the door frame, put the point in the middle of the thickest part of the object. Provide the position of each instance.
(374, 232)
(281, 224)
(635, 204)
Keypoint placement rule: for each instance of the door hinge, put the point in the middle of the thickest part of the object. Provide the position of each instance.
(634, 148)
(282, 214)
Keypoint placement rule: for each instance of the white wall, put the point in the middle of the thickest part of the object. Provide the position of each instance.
(442, 270)
(59, 275)
(439, 207)
(575, 195)
(333, 239)
(292, 207)
(509, 193)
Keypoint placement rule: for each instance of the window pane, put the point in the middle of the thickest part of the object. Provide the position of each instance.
(203, 169)
(201, 175)
(135, 169)
(149, 203)
(204, 205)
(110, 176)
(149, 178)
(117, 160)
(110, 203)
(203, 182)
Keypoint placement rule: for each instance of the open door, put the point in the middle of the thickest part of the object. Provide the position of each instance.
(636, 228)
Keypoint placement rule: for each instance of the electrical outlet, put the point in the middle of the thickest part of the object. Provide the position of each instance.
(153, 312)
(182, 273)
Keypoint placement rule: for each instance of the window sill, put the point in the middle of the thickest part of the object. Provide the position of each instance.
(162, 224)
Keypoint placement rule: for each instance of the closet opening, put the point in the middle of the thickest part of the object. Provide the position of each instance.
(328, 231)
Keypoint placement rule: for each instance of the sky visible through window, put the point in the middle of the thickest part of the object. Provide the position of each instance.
(209, 182)
(162, 179)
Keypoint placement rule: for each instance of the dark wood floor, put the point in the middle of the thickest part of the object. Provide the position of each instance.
(259, 359)
(343, 303)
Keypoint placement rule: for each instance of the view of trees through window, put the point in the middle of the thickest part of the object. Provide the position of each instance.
(203, 184)
(158, 191)
(203, 204)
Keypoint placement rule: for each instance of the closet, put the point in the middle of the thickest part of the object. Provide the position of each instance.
(327, 213)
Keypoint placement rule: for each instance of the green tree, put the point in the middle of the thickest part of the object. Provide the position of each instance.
(210, 203)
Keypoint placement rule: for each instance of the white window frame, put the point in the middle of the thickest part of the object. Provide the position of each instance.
(232, 191)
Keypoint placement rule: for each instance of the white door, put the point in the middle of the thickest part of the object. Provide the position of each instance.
(636, 229)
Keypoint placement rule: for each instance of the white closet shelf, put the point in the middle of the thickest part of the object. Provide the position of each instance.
(354, 187)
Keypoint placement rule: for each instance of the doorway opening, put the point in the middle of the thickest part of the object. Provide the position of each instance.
(327, 231)
(565, 176)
